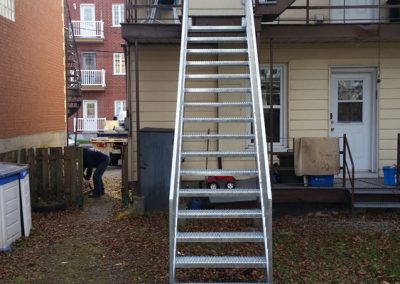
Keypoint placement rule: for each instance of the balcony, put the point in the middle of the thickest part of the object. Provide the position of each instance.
(89, 125)
(88, 31)
(93, 80)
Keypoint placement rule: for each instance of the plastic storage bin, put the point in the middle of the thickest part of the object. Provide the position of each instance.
(390, 175)
(326, 180)
(15, 219)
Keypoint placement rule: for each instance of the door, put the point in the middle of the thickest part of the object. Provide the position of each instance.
(88, 24)
(89, 75)
(354, 15)
(89, 116)
(353, 113)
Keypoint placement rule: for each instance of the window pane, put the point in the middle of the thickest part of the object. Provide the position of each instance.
(273, 136)
(350, 112)
(350, 90)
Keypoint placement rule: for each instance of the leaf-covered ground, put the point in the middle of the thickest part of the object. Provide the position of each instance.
(101, 245)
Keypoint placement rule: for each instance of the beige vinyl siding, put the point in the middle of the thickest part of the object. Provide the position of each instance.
(309, 68)
(219, 7)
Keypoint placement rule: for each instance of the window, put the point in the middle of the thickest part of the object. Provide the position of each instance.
(7, 9)
(278, 133)
(119, 106)
(89, 61)
(119, 64)
(117, 14)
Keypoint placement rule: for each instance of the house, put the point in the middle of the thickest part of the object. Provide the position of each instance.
(336, 70)
(97, 32)
(32, 75)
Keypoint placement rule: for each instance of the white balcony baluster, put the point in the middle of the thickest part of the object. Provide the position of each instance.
(93, 78)
(88, 29)
(90, 124)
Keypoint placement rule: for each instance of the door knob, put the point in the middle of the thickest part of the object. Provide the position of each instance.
(332, 128)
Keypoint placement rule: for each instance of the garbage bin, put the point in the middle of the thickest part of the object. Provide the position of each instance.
(15, 214)
(394, 13)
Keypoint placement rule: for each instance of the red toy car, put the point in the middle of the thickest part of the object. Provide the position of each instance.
(215, 182)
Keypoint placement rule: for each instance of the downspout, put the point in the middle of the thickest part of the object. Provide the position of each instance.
(138, 188)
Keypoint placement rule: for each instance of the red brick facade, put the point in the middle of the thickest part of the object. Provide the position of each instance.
(32, 88)
(115, 84)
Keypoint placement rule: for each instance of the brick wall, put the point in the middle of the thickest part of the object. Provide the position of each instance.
(116, 87)
(32, 70)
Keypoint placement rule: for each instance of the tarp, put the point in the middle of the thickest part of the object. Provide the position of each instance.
(316, 156)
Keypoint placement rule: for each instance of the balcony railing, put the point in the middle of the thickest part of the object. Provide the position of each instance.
(93, 78)
(89, 124)
(90, 30)
(158, 12)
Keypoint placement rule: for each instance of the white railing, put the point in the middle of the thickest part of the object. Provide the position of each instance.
(89, 124)
(88, 29)
(91, 78)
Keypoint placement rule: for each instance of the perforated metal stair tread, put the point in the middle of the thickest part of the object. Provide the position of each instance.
(197, 172)
(218, 119)
(218, 154)
(218, 237)
(205, 192)
(223, 104)
(223, 213)
(217, 29)
(227, 39)
(217, 76)
(377, 204)
(217, 63)
(221, 262)
(217, 51)
(217, 90)
(195, 136)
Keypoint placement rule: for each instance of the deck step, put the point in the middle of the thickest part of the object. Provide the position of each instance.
(218, 154)
(222, 213)
(218, 119)
(204, 136)
(225, 39)
(216, 76)
(219, 237)
(218, 63)
(223, 104)
(205, 192)
(221, 262)
(243, 172)
(217, 90)
(217, 29)
(376, 204)
(217, 50)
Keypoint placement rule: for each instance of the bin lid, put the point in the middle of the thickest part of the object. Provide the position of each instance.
(10, 169)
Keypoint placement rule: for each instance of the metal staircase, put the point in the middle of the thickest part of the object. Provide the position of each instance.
(195, 43)
(72, 68)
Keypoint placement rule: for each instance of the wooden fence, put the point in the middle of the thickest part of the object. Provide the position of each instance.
(125, 190)
(55, 174)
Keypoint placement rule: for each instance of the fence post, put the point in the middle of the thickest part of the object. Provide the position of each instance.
(30, 159)
(56, 173)
(67, 175)
(42, 173)
(79, 175)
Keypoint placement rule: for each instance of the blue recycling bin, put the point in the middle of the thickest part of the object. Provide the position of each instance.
(390, 175)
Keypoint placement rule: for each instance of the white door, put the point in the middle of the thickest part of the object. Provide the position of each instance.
(352, 113)
(354, 15)
(90, 116)
(88, 24)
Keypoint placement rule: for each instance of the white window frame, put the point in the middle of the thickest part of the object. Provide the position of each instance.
(7, 9)
(117, 56)
(117, 10)
(283, 143)
(117, 106)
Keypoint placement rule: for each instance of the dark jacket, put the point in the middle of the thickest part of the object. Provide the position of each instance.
(91, 159)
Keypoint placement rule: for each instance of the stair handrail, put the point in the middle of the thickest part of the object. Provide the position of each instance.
(176, 156)
(347, 151)
(398, 159)
(260, 139)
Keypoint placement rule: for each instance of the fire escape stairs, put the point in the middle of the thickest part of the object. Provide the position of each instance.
(196, 88)
(72, 68)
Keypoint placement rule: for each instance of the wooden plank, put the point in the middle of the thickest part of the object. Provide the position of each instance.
(67, 175)
(79, 180)
(56, 174)
(74, 175)
(23, 156)
(30, 159)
